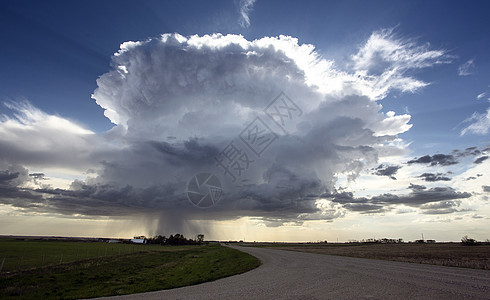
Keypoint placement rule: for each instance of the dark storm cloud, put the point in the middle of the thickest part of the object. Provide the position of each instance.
(283, 191)
(418, 197)
(389, 171)
(191, 151)
(11, 191)
(451, 159)
(416, 187)
(365, 207)
(110, 200)
(6, 176)
(433, 198)
(286, 197)
(442, 211)
(470, 151)
(480, 159)
(17, 196)
(37, 175)
(442, 207)
(434, 160)
(432, 177)
(107, 200)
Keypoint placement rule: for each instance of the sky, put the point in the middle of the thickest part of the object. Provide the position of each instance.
(245, 120)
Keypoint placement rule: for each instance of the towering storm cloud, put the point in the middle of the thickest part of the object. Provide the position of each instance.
(188, 105)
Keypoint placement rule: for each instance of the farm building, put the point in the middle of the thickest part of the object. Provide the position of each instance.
(138, 241)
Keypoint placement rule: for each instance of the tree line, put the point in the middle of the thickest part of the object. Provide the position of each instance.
(175, 239)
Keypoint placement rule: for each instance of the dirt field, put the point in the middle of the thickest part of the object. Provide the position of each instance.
(444, 254)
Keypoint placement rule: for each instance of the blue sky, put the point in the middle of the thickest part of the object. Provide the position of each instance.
(54, 52)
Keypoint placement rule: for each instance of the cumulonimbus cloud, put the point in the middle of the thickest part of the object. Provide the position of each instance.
(177, 102)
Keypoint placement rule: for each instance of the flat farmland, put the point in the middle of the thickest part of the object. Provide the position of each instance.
(443, 254)
(27, 254)
(134, 269)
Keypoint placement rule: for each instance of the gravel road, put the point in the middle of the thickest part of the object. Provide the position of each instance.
(295, 275)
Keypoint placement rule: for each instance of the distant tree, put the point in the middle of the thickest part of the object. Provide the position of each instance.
(175, 239)
(200, 238)
(468, 241)
(158, 239)
(171, 240)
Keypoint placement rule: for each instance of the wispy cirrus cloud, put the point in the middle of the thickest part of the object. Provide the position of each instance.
(245, 7)
(385, 61)
(479, 123)
(468, 68)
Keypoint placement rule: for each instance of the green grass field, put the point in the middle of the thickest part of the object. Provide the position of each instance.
(34, 254)
(139, 268)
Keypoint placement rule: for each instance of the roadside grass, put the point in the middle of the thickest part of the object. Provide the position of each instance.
(147, 270)
(444, 254)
